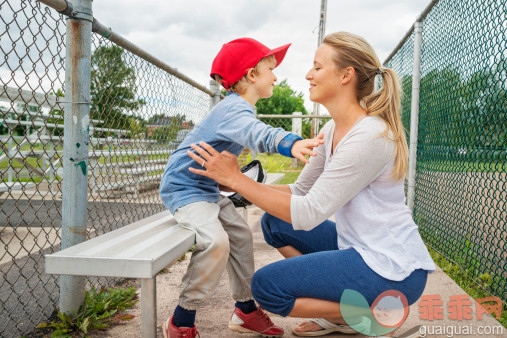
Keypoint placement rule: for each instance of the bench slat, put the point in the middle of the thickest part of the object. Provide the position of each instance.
(8, 186)
(120, 253)
(129, 230)
(116, 247)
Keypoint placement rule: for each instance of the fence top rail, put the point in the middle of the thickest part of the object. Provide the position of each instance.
(411, 29)
(65, 7)
(107, 33)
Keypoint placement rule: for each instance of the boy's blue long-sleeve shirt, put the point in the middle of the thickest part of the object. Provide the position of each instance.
(231, 125)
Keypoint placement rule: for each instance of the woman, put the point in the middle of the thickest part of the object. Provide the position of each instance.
(357, 175)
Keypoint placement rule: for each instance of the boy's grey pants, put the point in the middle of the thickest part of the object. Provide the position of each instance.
(223, 240)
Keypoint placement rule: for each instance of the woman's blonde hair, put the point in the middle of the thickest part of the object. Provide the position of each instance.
(240, 86)
(354, 51)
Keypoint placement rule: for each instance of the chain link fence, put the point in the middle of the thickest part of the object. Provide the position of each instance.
(461, 180)
(32, 43)
(139, 113)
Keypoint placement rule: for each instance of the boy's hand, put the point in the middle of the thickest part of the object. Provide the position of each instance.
(305, 147)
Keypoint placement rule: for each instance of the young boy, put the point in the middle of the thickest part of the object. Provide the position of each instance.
(244, 67)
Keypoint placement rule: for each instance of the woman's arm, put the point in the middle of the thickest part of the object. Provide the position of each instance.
(275, 202)
(224, 168)
(358, 160)
(356, 163)
(283, 188)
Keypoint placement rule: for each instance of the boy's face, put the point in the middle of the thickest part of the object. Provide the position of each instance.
(265, 80)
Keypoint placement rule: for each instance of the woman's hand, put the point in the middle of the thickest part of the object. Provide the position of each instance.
(222, 167)
(305, 147)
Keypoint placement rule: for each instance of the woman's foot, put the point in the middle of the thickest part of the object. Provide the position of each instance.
(308, 326)
(319, 327)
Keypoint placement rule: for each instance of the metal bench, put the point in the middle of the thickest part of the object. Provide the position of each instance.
(139, 250)
(10, 186)
(131, 185)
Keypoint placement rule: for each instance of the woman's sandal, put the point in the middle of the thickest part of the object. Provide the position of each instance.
(327, 328)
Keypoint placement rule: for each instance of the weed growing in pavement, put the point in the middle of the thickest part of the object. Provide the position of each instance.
(97, 312)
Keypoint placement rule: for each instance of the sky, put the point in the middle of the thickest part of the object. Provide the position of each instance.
(187, 34)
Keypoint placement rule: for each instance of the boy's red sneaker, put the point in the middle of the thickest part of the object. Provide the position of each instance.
(256, 322)
(171, 331)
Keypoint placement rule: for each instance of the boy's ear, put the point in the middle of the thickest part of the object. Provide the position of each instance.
(250, 75)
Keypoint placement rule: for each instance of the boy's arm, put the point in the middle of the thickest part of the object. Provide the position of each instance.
(243, 128)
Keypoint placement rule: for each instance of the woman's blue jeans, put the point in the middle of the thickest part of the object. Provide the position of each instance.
(322, 272)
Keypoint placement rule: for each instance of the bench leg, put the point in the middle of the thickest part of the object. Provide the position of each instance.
(148, 307)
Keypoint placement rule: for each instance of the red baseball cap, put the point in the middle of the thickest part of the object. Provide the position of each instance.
(237, 56)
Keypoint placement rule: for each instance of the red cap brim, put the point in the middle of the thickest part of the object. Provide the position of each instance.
(279, 53)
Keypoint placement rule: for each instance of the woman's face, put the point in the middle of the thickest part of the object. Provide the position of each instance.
(323, 77)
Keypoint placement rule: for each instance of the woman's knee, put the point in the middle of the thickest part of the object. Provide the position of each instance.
(259, 285)
(266, 222)
(269, 294)
(270, 231)
(261, 288)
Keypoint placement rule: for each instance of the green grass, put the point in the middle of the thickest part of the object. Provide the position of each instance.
(34, 179)
(98, 311)
(474, 284)
(274, 163)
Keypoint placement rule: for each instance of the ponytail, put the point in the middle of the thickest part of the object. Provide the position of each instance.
(353, 50)
(386, 103)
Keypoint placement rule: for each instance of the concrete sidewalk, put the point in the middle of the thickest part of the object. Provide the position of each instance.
(212, 320)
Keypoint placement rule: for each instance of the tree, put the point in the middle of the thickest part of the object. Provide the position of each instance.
(441, 112)
(113, 89)
(464, 117)
(165, 128)
(284, 101)
(484, 98)
(406, 103)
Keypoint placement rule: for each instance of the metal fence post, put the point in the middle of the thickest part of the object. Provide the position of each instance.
(10, 153)
(215, 88)
(76, 140)
(414, 115)
(297, 128)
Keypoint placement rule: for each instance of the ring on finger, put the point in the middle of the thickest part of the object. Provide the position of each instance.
(203, 162)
